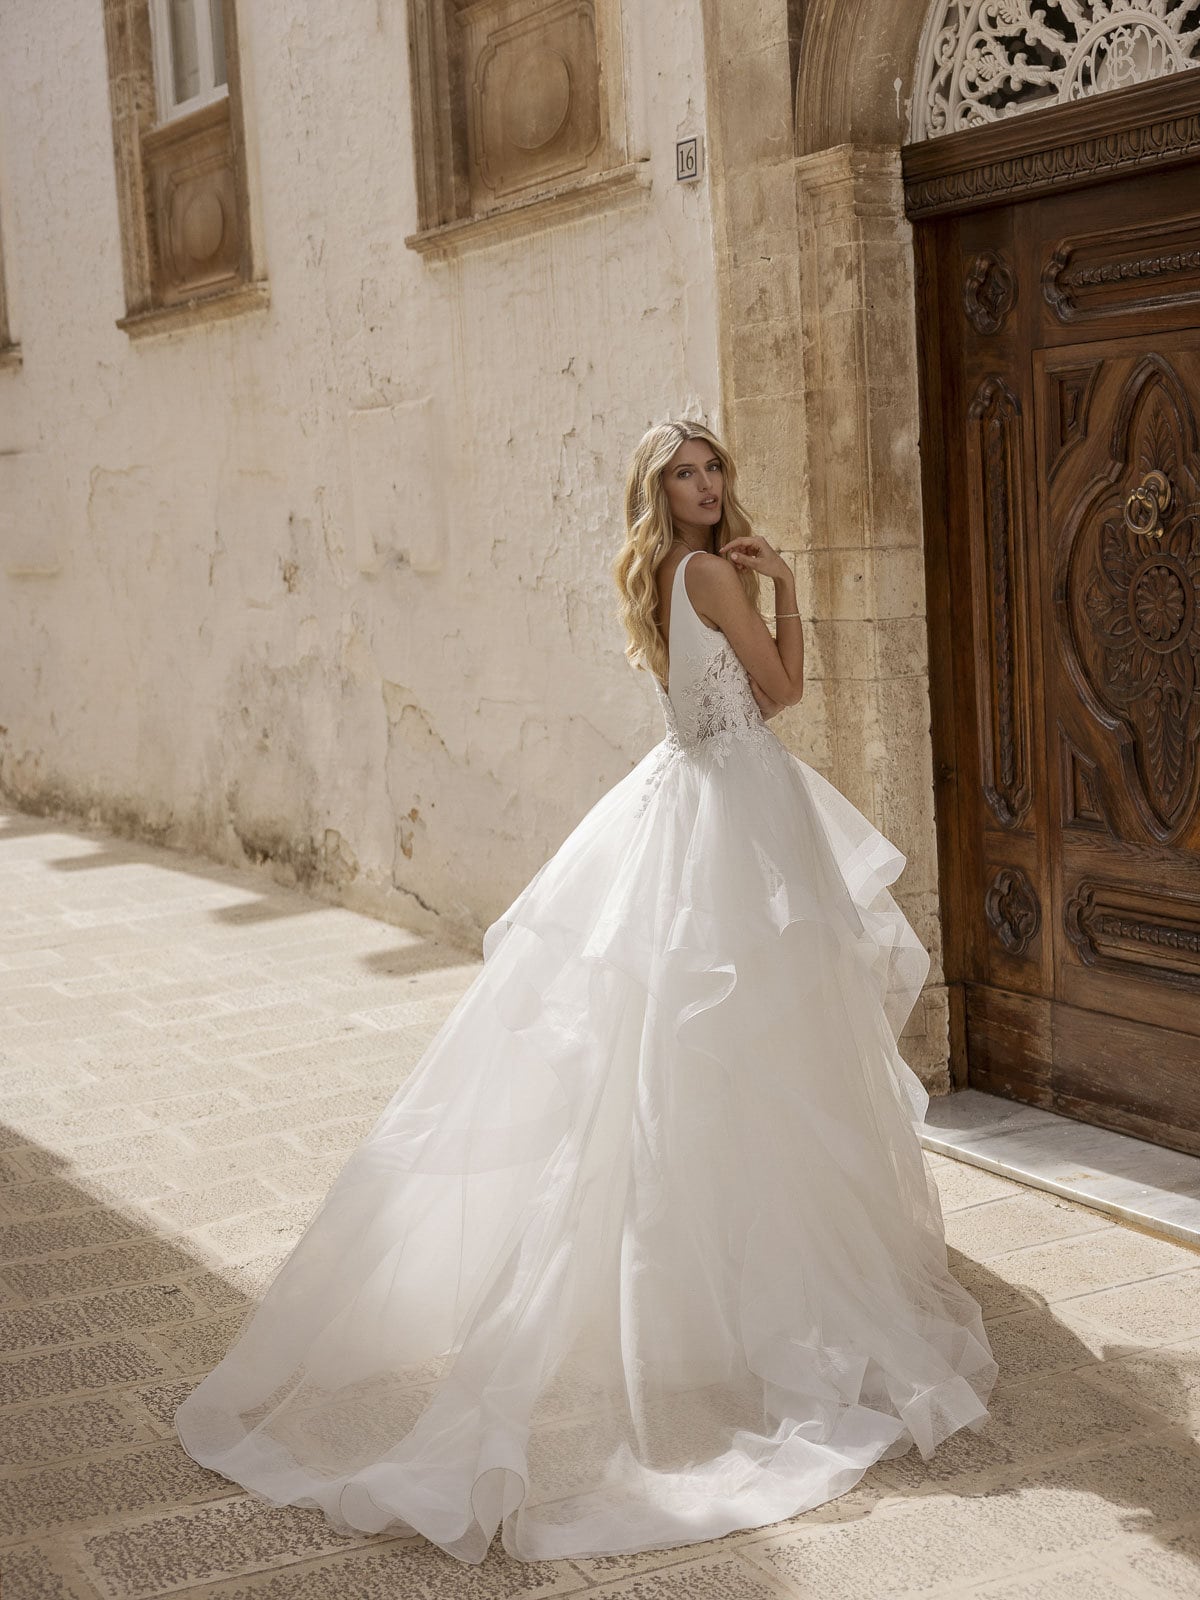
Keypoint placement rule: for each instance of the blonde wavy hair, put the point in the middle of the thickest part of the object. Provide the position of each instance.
(649, 531)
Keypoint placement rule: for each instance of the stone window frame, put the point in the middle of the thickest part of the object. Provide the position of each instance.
(155, 160)
(445, 102)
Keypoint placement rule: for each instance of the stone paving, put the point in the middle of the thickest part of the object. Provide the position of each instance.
(187, 1054)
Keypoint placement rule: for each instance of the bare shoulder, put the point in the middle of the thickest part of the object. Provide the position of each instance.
(713, 587)
(710, 574)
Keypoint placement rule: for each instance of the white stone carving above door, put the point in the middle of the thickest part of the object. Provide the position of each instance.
(981, 60)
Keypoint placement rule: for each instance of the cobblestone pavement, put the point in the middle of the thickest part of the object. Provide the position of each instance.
(186, 1056)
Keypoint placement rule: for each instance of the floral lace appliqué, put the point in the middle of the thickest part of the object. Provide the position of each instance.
(719, 707)
(669, 751)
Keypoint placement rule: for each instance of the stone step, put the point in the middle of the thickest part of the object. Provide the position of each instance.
(1143, 1184)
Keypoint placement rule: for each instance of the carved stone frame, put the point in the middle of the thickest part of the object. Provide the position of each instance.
(451, 43)
(191, 168)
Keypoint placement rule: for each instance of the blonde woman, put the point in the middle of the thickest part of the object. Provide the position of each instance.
(646, 1248)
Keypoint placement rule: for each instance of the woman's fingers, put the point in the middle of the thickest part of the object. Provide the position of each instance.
(752, 546)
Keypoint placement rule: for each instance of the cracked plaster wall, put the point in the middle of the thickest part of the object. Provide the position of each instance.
(327, 587)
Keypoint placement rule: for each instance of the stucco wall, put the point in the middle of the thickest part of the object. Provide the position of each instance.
(327, 585)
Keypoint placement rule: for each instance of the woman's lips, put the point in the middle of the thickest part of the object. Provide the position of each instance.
(711, 501)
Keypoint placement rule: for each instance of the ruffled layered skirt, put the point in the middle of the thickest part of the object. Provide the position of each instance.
(646, 1248)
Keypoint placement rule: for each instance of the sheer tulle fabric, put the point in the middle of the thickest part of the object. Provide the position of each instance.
(646, 1248)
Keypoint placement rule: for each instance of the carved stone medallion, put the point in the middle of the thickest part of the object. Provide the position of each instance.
(535, 109)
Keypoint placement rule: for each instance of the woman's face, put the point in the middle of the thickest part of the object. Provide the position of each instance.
(695, 488)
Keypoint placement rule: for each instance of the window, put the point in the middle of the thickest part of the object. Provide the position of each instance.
(189, 55)
(180, 153)
(518, 113)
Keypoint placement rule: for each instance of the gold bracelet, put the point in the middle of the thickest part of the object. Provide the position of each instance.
(779, 614)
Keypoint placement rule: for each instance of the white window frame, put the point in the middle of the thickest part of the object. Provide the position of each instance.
(164, 66)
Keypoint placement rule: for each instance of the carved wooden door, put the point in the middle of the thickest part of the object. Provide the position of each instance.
(1061, 445)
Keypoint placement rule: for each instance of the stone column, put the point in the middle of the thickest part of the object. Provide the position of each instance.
(863, 537)
(819, 403)
(748, 49)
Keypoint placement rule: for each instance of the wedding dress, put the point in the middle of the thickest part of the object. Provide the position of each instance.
(646, 1248)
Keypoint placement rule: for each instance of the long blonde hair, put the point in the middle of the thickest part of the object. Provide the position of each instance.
(649, 531)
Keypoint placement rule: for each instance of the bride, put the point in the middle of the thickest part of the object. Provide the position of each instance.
(646, 1249)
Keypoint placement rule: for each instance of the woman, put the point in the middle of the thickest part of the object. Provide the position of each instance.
(646, 1248)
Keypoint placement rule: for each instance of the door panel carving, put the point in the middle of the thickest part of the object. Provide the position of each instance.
(1118, 928)
(1067, 694)
(989, 292)
(1012, 909)
(1067, 406)
(1000, 597)
(1131, 269)
(1127, 599)
(1082, 805)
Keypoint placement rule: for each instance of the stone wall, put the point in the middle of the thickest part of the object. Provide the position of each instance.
(326, 585)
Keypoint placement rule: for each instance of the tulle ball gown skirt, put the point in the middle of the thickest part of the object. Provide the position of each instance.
(646, 1248)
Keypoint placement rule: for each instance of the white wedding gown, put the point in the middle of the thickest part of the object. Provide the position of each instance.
(646, 1248)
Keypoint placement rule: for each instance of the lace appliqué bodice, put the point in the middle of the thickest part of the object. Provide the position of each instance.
(721, 707)
(710, 712)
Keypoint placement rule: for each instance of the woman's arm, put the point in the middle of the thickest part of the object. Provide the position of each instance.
(769, 708)
(776, 663)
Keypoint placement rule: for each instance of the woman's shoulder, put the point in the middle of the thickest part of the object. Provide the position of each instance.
(709, 573)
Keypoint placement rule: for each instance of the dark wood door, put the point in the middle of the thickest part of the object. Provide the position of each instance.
(1060, 343)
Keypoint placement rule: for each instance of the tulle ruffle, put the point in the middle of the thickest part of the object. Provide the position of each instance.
(646, 1249)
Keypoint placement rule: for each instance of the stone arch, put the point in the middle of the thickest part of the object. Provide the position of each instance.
(861, 61)
(854, 78)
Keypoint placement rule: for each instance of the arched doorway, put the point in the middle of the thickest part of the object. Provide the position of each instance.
(1056, 212)
(1072, 988)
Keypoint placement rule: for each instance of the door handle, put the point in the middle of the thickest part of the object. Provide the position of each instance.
(1147, 505)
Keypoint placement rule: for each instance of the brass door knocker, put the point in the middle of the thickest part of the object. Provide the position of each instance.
(1148, 504)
